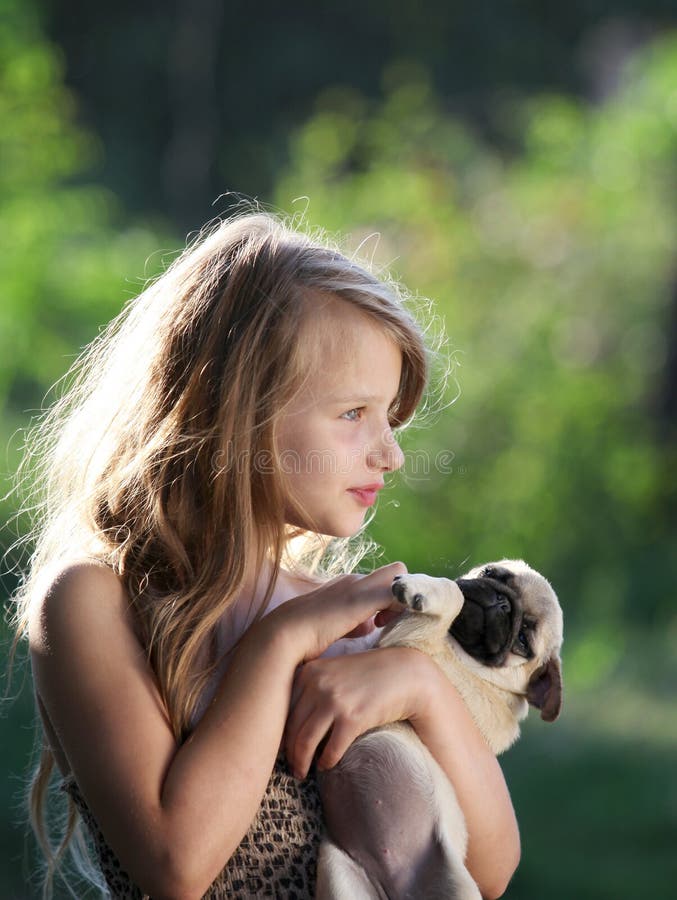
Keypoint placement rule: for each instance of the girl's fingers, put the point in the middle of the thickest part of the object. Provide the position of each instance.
(343, 607)
(335, 700)
(368, 596)
(300, 706)
(362, 630)
(343, 733)
(302, 709)
(385, 574)
(302, 742)
(386, 615)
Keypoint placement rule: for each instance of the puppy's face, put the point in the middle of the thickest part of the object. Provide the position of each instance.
(511, 624)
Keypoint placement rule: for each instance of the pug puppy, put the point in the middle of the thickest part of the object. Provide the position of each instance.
(394, 826)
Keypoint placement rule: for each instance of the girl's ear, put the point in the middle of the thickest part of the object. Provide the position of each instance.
(544, 690)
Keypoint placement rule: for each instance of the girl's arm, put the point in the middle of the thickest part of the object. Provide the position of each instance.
(346, 696)
(174, 815)
(447, 729)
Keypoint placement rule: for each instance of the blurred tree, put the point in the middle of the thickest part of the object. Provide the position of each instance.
(189, 163)
(67, 250)
(192, 100)
(554, 271)
(65, 255)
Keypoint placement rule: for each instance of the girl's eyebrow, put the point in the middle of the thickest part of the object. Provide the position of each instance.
(351, 398)
(358, 398)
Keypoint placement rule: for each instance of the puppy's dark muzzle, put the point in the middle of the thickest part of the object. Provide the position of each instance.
(489, 619)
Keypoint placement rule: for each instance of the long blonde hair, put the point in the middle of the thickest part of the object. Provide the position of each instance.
(148, 461)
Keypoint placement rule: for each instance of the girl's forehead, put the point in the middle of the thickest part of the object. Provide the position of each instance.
(363, 358)
(344, 352)
(340, 331)
(349, 343)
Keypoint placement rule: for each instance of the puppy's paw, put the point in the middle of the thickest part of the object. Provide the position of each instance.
(406, 589)
(430, 596)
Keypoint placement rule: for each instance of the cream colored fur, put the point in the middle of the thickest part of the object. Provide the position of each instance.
(496, 698)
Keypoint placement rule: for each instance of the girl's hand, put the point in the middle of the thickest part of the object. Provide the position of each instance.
(342, 697)
(348, 606)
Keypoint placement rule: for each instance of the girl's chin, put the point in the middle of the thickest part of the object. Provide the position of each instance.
(350, 531)
(345, 529)
(342, 531)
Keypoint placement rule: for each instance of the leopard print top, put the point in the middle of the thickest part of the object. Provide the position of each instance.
(276, 858)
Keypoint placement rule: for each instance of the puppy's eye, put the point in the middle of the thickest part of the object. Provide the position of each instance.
(521, 646)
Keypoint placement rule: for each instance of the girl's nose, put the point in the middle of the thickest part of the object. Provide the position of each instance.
(386, 453)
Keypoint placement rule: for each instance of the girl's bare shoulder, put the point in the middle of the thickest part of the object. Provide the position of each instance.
(97, 695)
(80, 596)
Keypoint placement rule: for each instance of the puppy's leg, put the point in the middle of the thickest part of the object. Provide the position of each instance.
(340, 878)
(400, 828)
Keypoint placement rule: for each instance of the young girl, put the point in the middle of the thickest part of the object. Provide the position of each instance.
(236, 416)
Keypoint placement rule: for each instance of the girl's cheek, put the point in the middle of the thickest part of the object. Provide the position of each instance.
(348, 440)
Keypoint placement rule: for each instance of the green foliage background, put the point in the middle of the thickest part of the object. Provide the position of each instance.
(552, 437)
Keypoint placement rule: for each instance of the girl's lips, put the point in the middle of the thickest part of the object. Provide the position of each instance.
(365, 496)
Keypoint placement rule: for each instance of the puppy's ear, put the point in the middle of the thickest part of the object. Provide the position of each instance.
(544, 690)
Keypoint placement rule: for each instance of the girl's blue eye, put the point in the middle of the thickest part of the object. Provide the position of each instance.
(353, 415)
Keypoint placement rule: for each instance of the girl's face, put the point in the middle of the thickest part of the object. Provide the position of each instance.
(334, 442)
